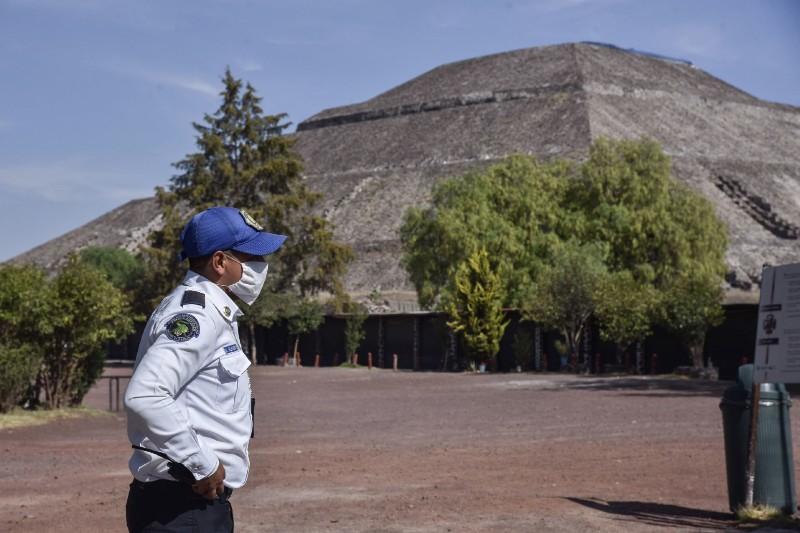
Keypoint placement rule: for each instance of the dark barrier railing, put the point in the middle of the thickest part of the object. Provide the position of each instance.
(113, 382)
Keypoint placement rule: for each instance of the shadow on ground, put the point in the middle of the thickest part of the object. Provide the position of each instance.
(662, 515)
(670, 387)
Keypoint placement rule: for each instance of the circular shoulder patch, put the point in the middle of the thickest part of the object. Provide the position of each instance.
(182, 327)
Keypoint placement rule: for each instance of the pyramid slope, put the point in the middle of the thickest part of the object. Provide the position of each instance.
(375, 159)
(124, 227)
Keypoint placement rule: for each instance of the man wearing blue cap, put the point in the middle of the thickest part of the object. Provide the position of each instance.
(188, 402)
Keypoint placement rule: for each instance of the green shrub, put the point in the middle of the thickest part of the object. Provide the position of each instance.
(18, 367)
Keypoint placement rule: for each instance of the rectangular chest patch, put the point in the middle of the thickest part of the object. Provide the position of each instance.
(231, 348)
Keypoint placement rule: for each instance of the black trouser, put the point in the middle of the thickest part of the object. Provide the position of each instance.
(171, 507)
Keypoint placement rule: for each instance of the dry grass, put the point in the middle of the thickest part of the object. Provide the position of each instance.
(24, 418)
(767, 516)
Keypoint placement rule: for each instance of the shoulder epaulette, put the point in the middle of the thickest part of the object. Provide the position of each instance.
(193, 297)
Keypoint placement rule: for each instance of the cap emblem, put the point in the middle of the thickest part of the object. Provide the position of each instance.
(250, 221)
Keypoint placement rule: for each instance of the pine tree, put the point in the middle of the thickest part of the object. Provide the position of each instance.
(244, 160)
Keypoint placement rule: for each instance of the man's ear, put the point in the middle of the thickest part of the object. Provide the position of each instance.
(217, 262)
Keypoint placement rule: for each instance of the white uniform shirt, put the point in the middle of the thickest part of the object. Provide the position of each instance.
(189, 396)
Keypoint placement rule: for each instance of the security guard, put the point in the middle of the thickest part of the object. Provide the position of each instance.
(188, 401)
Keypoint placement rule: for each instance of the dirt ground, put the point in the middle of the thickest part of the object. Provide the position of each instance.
(341, 450)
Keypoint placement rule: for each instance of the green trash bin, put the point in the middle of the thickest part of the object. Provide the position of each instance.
(774, 469)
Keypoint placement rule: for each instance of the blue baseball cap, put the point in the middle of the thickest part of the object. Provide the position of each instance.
(226, 228)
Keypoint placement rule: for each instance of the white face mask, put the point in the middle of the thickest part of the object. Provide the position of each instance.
(254, 274)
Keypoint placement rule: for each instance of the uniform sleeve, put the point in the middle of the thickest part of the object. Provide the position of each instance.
(183, 343)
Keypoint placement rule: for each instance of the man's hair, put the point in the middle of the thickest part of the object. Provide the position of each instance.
(196, 263)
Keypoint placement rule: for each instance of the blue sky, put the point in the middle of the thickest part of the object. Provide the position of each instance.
(97, 97)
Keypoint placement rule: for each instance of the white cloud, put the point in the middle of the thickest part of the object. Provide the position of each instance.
(557, 6)
(249, 65)
(167, 79)
(295, 42)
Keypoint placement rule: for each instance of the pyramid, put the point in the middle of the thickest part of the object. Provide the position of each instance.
(375, 159)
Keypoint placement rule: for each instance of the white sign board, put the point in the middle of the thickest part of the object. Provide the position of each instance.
(778, 338)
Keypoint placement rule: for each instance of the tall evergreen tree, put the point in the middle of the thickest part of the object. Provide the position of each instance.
(245, 160)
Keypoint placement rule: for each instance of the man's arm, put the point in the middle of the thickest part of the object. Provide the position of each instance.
(173, 359)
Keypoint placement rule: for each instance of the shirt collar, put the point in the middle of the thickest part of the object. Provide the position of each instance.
(224, 304)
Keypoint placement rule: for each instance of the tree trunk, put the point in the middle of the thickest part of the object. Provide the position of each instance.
(73, 372)
(574, 342)
(46, 386)
(35, 390)
(696, 351)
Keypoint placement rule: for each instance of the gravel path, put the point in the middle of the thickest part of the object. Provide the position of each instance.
(380, 451)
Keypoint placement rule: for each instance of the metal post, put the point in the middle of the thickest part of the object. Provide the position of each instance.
(417, 356)
(751, 446)
(113, 382)
(381, 342)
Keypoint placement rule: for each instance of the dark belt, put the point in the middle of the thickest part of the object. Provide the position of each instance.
(165, 486)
